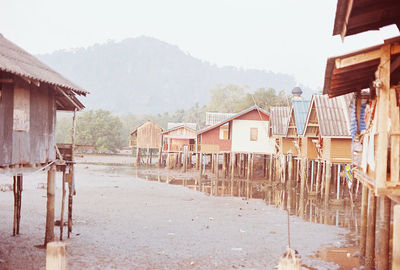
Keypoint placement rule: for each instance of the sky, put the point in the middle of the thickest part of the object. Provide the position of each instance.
(287, 36)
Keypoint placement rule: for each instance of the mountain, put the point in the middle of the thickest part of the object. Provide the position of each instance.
(145, 75)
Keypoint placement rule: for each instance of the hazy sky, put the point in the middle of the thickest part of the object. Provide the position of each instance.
(290, 36)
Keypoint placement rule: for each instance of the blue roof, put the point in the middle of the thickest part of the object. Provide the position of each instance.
(300, 110)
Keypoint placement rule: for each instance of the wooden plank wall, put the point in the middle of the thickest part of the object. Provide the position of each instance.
(36, 144)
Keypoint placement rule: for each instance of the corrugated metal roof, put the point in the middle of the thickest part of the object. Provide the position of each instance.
(213, 118)
(188, 125)
(254, 107)
(332, 114)
(279, 120)
(300, 110)
(17, 61)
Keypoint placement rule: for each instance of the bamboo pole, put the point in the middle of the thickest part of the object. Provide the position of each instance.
(370, 245)
(363, 232)
(55, 256)
(49, 235)
(383, 233)
(396, 238)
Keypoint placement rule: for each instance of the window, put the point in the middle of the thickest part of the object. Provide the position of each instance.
(253, 134)
(224, 132)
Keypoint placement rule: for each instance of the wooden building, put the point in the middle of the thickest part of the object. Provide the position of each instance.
(327, 130)
(30, 94)
(279, 127)
(246, 131)
(179, 136)
(373, 74)
(146, 137)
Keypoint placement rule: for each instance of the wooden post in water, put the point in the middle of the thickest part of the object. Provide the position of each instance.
(232, 170)
(289, 183)
(55, 256)
(270, 168)
(312, 176)
(363, 232)
(318, 178)
(138, 154)
(160, 156)
(383, 233)
(396, 238)
(185, 157)
(328, 171)
(370, 245)
(302, 185)
(51, 175)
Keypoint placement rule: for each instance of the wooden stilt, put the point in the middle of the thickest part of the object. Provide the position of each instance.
(160, 157)
(289, 183)
(138, 153)
(251, 176)
(363, 233)
(302, 186)
(312, 175)
(396, 238)
(62, 205)
(248, 175)
(55, 256)
(318, 178)
(383, 233)
(15, 204)
(232, 171)
(51, 175)
(270, 168)
(370, 245)
(70, 202)
(328, 171)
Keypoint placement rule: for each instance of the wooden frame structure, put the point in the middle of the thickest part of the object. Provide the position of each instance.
(30, 95)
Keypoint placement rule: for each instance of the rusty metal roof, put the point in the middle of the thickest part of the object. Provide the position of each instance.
(332, 114)
(356, 16)
(279, 120)
(17, 61)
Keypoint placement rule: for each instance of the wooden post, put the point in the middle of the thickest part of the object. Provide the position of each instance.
(62, 205)
(363, 232)
(289, 183)
(232, 170)
(185, 157)
(248, 175)
(383, 233)
(382, 114)
(312, 176)
(160, 156)
(51, 175)
(55, 256)
(138, 156)
(318, 178)
(370, 245)
(323, 179)
(328, 171)
(338, 182)
(151, 157)
(15, 205)
(217, 173)
(270, 169)
(396, 238)
(302, 185)
(251, 176)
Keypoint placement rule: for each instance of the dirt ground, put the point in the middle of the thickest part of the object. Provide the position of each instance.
(123, 222)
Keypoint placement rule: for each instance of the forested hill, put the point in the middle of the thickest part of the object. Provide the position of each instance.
(146, 75)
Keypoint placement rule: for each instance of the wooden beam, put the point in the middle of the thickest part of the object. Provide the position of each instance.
(6, 80)
(346, 19)
(357, 59)
(68, 97)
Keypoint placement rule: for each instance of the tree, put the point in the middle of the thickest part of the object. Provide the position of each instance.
(265, 99)
(226, 98)
(101, 129)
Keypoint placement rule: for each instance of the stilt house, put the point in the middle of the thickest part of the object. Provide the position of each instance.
(373, 75)
(279, 128)
(147, 135)
(30, 94)
(246, 131)
(179, 135)
(327, 130)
